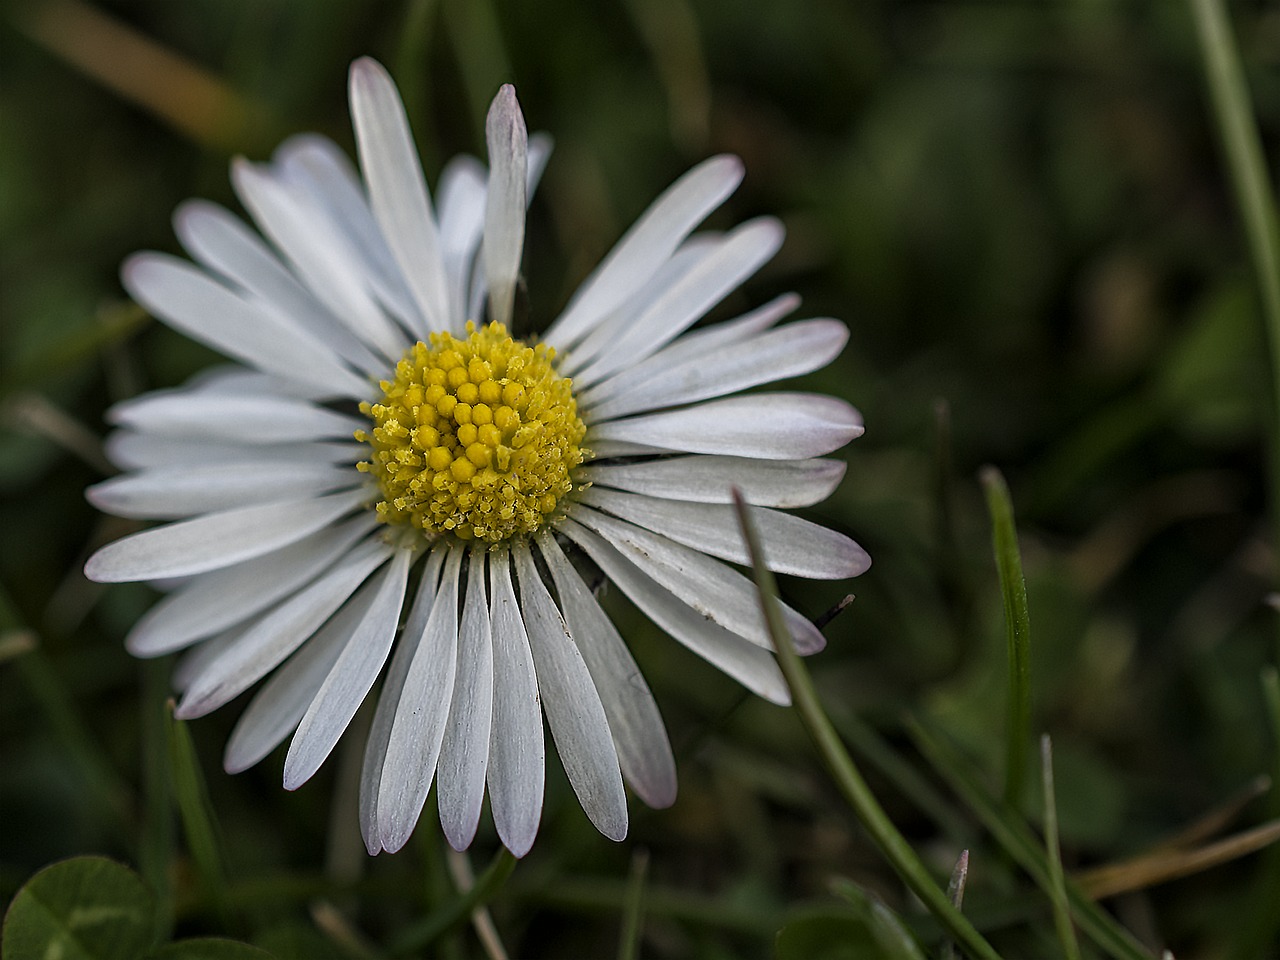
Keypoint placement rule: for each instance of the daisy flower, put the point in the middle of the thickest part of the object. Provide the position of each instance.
(387, 483)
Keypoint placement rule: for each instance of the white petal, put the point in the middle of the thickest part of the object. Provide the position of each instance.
(129, 450)
(375, 751)
(644, 752)
(464, 754)
(281, 702)
(721, 271)
(278, 633)
(397, 189)
(321, 257)
(791, 351)
(191, 301)
(602, 449)
(572, 705)
(226, 245)
(714, 590)
(606, 333)
(351, 678)
(461, 193)
(516, 760)
(703, 342)
(200, 609)
(770, 426)
(646, 246)
(248, 418)
(418, 727)
(508, 142)
(195, 661)
(318, 166)
(167, 494)
(767, 483)
(216, 539)
(752, 666)
(792, 545)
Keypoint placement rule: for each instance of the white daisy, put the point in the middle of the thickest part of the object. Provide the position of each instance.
(385, 450)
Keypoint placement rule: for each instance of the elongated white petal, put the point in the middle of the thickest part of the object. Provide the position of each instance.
(572, 705)
(704, 342)
(321, 256)
(462, 202)
(508, 142)
(792, 545)
(752, 666)
(351, 678)
(191, 301)
(516, 771)
(375, 751)
(225, 244)
(464, 753)
(167, 494)
(606, 333)
(770, 426)
(791, 351)
(743, 251)
(711, 588)
(201, 608)
(700, 479)
(257, 419)
(278, 633)
(644, 752)
(397, 189)
(326, 175)
(216, 539)
(280, 704)
(418, 728)
(646, 246)
(130, 450)
(193, 662)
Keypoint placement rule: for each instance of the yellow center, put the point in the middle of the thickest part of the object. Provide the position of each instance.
(474, 437)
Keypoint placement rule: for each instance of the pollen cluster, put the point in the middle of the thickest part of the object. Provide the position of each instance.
(475, 437)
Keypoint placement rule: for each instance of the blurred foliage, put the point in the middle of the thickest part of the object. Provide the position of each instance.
(1019, 209)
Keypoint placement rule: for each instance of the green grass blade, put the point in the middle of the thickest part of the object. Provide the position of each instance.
(633, 914)
(1013, 589)
(198, 822)
(1057, 880)
(844, 771)
(418, 937)
(1242, 146)
(1017, 840)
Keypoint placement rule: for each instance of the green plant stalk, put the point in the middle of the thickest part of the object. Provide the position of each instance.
(633, 912)
(192, 797)
(1017, 840)
(843, 770)
(1238, 131)
(449, 916)
(1017, 619)
(1260, 921)
(1057, 879)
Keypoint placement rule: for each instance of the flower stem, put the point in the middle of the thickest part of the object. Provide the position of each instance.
(843, 770)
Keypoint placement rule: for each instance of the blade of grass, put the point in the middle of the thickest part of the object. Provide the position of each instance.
(196, 812)
(633, 915)
(1242, 145)
(844, 771)
(1057, 880)
(1017, 840)
(418, 937)
(1017, 619)
(156, 847)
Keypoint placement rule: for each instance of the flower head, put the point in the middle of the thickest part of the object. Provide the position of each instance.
(385, 450)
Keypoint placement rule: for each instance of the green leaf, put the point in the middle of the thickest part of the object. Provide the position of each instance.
(209, 948)
(86, 908)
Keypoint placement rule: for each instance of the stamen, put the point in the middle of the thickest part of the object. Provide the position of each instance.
(475, 437)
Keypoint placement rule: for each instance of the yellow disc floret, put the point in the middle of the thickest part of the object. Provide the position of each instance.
(475, 437)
